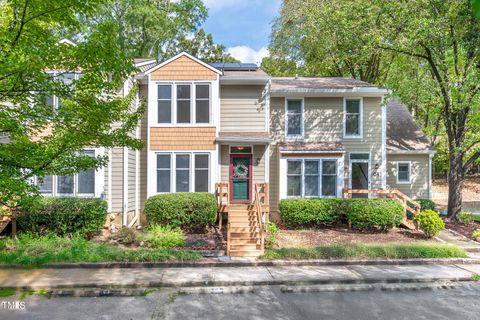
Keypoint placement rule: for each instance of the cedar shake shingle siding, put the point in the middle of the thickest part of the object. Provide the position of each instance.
(183, 68)
(189, 138)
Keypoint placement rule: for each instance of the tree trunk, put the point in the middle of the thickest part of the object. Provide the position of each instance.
(455, 185)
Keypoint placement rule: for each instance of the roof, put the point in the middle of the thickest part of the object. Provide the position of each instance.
(243, 73)
(234, 66)
(311, 147)
(227, 136)
(403, 133)
(286, 83)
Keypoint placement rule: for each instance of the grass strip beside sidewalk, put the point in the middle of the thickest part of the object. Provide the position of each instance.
(31, 251)
(388, 251)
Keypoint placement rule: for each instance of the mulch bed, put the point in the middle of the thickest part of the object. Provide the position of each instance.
(465, 229)
(342, 235)
(211, 240)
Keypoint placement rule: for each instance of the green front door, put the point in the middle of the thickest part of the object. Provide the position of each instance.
(240, 176)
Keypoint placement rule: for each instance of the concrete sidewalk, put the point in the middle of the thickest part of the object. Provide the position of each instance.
(231, 276)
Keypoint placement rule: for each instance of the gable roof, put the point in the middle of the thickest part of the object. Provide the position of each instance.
(206, 65)
(403, 133)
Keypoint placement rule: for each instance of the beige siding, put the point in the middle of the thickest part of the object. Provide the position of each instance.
(274, 178)
(224, 163)
(131, 179)
(189, 138)
(183, 68)
(117, 179)
(143, 90)
(242, 108)
(419, 187)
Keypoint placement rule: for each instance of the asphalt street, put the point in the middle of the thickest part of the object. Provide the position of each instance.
(459, 301)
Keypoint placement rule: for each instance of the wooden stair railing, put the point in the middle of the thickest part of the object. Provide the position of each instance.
(222, 197)
(260, 219)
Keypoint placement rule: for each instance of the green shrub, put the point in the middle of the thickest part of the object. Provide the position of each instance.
(476, 234)
(192, 211)
(466, 217)
(297, 213)
(430, 222)
(162, 237)
(272, 231)
(61, 216)
(371, 213)
(425, 204)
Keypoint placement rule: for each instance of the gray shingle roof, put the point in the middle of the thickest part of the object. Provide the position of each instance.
(403, 133)
(289, 83)
(320, 146)
(261, 136)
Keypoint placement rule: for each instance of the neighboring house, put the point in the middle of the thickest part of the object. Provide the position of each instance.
(306, 137)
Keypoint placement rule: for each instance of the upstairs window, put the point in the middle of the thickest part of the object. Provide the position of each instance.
(353, 118)
(294, 118)
(183, 103)
(403, 172)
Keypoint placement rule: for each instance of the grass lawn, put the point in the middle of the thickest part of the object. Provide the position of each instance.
(371, 251)
(36, 251)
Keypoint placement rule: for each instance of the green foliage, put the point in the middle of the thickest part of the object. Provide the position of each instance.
(7, 293)
(162, 237)
(476, 234)
(189, 210)
(371, 213)
(425, 204)
(126, 236)
(30, 250)
(389, 251)
(466, 217)
(299, 213)
(85, 216)
(430, 222)
(272, 231)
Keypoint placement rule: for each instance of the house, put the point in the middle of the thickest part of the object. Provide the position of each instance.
(208, 124)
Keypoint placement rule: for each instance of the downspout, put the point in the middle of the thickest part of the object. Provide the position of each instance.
(383, 174)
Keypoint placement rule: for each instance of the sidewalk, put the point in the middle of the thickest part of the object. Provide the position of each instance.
(471, 247)
(118, 278)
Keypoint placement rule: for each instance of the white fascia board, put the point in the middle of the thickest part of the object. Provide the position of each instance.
(181, 54)
(412, 152)
(355, 92)
(243, 140)
(312, 152)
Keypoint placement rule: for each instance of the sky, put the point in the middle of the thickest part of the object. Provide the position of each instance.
(243, 26)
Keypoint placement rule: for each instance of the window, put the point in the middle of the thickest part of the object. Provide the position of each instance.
(353, 118)
(312, 178)
(294, 118)
(188, 172)
(65, 185)
(183, 103)
(403, 172)
(163, 173)
(45, 186)
(165, 103)
(201, 172)
(202, 102)
(86, 179)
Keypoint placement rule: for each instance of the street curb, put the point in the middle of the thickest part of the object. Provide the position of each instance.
(253, 263)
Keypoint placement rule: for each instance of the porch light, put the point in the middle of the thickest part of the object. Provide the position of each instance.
(240, 148)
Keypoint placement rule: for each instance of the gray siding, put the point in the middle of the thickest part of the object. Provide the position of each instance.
(419, 187)
(117, 179)
(143, 172)
(131, 179)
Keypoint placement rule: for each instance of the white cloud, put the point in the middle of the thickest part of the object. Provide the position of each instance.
(247, 54)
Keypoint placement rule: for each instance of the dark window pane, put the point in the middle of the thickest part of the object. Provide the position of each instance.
(353, 106)
(311, 167)
(294, 186)
(163, 180)
(294, 124)
(201, 161)
(202, 91)
(203, 111)
(329, 167)
(165, 92)
(352, 125)
(163, 161)
(294, 167)
(65, 185)
(359, 156)
(311, 186)
(164, 111)
(294, 106)
(49, 101)
(183, 91)
(183, 161)
(201, 180)
(86, 182)
(403, 172)
(183, 111)
(329, 185)
(183, 177)
(45, 185)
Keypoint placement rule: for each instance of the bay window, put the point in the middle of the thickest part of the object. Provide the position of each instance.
(312, 178)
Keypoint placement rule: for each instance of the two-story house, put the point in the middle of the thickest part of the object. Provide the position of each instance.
(232, 123)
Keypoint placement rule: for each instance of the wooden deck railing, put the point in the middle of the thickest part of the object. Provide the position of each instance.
(222, 196)
(261, 195)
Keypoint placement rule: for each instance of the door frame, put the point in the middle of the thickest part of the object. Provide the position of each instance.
(250, 176)
(369, 174)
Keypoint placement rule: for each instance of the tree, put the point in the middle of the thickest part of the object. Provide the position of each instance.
(161, 28)
(36, 138)
(426, 51)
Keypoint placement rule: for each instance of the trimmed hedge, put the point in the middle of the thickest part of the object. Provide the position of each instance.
(371, 213)
(430, 222)
(188, 210)
(61, 216)
(309, 212)
(361, 213)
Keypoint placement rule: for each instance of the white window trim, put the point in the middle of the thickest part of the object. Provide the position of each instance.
(345, 135)
(284, 170)
(302, 121)
(409, 163)
(368, 161)
(193, 104)
(173, 170)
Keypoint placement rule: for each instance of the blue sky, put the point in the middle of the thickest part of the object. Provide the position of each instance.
(243, 26)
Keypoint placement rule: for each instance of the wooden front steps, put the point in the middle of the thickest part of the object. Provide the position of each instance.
(4, 221)
(243, 232)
